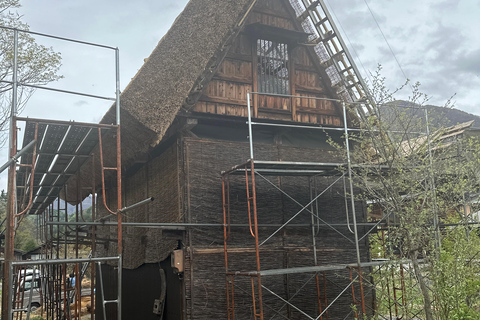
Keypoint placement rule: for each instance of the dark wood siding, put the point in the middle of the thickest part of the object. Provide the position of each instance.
(158, 178)
(292, 247)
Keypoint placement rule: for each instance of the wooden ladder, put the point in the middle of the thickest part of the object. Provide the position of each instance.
(332, 51)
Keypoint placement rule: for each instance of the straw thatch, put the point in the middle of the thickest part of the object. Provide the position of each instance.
(185, 55)
(170, 78)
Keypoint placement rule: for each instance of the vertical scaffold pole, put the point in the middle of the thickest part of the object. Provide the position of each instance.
(10, 221)
(352, 200)
(94, 248)
(226, 233)
(119, 186)
(250, 137)
(438, 242)
(254, 207)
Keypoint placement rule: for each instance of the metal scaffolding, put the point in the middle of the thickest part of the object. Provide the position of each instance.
(359, 286)
(51, 153)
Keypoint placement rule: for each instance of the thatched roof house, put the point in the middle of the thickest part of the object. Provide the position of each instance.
(183, 122)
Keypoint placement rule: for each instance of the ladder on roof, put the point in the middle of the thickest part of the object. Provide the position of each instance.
(332, 51)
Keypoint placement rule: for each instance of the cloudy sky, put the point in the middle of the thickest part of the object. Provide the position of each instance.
(436, 42)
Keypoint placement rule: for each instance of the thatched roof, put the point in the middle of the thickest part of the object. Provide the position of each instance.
(180, 60)
(171, 77)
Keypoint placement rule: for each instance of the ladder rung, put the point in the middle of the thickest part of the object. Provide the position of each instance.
(306, 13)
(319, 23)
(346, 69)
(352, 85)
(329, 36)
(336, 55)
(313, 4)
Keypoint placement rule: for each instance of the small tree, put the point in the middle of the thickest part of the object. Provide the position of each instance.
(37, 64)
(418, 179)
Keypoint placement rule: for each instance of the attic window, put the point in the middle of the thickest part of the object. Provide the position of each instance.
(272, 67)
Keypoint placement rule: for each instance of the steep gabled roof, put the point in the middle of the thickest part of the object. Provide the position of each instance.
(176, 69)
(176, 72)
(184, 60)
(182, 57)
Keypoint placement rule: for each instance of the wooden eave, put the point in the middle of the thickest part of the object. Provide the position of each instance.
(267, 32)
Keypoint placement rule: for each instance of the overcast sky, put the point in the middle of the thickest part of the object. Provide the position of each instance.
(436, 43)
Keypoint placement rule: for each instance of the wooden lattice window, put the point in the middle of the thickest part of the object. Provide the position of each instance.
(272, 67)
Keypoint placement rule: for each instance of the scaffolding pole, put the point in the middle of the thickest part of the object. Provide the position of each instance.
(38, 198)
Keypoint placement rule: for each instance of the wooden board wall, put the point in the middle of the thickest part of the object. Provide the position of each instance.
(226, 94)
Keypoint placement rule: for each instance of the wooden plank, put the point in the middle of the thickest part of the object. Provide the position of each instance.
(277, 111)
(211, 108)
(221, 109)
(230, 78)
(200, 107)
(230, 110)
(274, 13)
(307, 89)
(222, 100)
(315, 110)
(270, 20)
(230, 90)
(304, 67)
(239, 56)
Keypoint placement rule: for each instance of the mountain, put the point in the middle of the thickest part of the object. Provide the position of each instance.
(438, 116)
(86, 203)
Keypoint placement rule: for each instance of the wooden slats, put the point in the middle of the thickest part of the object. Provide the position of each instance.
(226, 93)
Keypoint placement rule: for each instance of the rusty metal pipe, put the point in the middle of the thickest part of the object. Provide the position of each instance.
(32, 173)
(249, 209)
(102, 169)
(257, 246)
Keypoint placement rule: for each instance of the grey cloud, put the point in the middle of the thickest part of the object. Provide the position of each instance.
(445, 39)
(358, 46)
(386, 54)
(445, 5)
(355, 15)
(81, 103)
(469, 62)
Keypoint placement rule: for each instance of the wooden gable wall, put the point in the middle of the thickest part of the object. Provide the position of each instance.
(226, 94)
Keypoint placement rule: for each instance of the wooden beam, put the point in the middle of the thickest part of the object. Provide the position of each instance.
(316, 111)
(302, 67)
(239, 56)
(301, 88)
(272, 110)
(271, 12)
(230, 78)
(223, 100)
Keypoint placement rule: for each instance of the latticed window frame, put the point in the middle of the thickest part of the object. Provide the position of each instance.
(273, 74)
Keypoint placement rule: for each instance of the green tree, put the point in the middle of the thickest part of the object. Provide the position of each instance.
(420, 180)
(37, 64)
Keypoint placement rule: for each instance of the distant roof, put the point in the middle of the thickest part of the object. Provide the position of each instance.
(441, 135)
